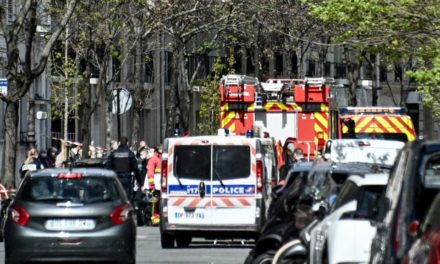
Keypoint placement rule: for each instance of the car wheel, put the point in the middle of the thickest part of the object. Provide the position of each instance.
(167, 240)
(265, 258)
(280, 257)
(183, 240)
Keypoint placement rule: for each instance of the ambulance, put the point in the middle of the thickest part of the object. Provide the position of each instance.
(215, 187)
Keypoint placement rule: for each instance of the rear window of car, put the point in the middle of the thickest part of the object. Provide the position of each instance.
(229, 162)
(84, 190)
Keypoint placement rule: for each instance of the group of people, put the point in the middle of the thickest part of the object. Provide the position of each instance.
(145, 166)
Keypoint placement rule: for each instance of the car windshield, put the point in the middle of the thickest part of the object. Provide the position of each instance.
(230, 162)
(84, 190)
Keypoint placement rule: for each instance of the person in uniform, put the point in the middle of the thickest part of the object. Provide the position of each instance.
(123, 162)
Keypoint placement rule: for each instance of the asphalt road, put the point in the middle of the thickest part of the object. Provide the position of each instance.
(199, 252)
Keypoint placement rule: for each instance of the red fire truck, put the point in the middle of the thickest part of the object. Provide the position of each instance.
(292, 111)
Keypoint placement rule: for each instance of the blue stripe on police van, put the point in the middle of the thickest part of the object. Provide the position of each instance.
(232, 189)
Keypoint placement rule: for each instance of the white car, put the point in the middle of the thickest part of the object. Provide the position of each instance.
(345, 235)
(373, 151)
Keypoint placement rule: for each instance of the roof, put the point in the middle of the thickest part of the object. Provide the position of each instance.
(85, 171)
(370, 179)
(218, 138)
(349, 168)
(365, 150)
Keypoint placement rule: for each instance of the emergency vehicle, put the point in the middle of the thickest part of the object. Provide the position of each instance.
(389, 123)
(290, 110)
(215, 187)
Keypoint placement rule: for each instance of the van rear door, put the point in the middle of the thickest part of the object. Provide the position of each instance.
(233, 184)
(188, 181)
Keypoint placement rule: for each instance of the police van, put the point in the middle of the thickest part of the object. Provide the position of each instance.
(215, 187)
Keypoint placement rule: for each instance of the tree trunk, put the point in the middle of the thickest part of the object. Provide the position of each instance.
(172, 105)
(10, 145)
(138, 94)
(84, 117)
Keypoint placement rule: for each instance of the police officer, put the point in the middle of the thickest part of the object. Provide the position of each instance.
(124, 163)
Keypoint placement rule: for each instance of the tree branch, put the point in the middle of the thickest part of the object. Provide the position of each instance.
(51, 42)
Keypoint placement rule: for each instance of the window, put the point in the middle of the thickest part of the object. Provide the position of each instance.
(149, 68)
(432, 220)
(168, 66)
(348, 193)
(368, 199)
(278, 64)
(311, 69)
(232, 162)
(85, 190)
(341, 70)
(193, 162)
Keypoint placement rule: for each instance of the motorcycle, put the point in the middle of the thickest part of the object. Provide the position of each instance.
(296, 251)
(144, 205)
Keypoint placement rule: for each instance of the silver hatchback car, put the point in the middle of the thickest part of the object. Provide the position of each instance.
(70, 215)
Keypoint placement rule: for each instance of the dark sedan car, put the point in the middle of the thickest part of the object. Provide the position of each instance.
(412, 186)
(426, 248)
(70, 215)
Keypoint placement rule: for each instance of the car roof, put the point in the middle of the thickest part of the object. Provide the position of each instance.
(369, 179)
(86, 172)
(353, 168)
(302, 166)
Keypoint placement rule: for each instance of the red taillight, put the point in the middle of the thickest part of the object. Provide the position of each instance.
(121, 214)
(19, 215)
(164, 174)
(70, 175)
(259, 176)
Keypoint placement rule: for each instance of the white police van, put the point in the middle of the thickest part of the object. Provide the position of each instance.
(215, 187)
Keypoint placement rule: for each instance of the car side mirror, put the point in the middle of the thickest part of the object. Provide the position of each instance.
(414, 228)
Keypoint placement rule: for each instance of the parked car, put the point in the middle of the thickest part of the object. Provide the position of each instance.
(70, 215)
(411, 188)
(374, 151)
(345, 235)
(319, 187)
(284, 198)
(90, 163)
(426, 249)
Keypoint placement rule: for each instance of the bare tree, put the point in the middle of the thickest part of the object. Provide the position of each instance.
(22, 68)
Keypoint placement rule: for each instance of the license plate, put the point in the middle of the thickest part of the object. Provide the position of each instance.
(70, 224)
(190, 215)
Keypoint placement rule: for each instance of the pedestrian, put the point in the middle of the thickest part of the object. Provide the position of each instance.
(62, 156)
(154, 168)
(75, 153)
(42, 156)
(124, 163)
(32, 163)
(51, 157)
(153, 180)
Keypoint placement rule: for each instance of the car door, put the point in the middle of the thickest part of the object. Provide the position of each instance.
(233, 189)
(189, 182)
